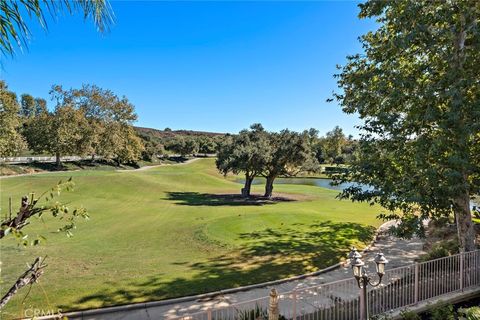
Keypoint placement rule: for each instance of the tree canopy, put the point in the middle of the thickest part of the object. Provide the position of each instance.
(86, 121)
(288, 151)
(416, 87)
(248, 152)
(256, 152)
(11, 141)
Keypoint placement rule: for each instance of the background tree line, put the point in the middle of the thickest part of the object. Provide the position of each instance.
(86, 121)
(162, 143)
(91, 121)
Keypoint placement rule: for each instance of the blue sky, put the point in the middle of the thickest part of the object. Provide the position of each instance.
(213, 66)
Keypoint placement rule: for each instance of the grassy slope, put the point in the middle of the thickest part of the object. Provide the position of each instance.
(165, 232)
(35, 167)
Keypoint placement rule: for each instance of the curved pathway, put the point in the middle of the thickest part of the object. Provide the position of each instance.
(160, 165)
(118, 170)
(399, 252)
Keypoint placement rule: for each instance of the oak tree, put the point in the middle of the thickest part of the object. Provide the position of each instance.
(247, 153)
(287, 153)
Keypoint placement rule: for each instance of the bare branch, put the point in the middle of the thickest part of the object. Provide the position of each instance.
(30, 276)
(20, 220)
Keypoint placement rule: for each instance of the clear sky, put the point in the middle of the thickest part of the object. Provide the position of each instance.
(213, 66)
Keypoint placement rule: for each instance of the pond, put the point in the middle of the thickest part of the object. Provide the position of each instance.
(318, 182)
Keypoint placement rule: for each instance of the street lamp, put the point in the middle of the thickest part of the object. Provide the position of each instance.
(363, 279)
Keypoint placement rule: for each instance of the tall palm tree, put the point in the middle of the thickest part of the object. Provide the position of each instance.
(16, 14)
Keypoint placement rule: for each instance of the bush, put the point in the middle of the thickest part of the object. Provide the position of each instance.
(442, 313)
(441, 249)
(472, 313)
(409, 315)
(335, 169)
(258, 313)
(440, 222)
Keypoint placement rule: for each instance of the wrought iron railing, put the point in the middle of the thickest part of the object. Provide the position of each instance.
(341, 300)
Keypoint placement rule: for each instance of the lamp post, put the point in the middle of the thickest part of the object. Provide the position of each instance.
(363, 279)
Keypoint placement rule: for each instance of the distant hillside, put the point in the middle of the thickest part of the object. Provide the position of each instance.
(172, 133)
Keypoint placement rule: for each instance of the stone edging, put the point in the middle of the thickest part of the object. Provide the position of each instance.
(210, 295)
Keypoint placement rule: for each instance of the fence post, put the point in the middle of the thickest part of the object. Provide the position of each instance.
(416, 283)
(461, 269)
(209, 314)
(362, 304)
(294, 298)
(273, 305)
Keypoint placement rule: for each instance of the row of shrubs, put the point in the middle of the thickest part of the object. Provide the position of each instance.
(447, 312)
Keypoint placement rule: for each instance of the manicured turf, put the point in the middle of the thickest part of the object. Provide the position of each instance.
(171, 231)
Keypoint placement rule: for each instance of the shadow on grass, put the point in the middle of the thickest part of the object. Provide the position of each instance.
(75, 165)
(177, 159)
(266, 255)
(210, 199)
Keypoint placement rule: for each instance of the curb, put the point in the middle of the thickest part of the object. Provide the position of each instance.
(210, 295)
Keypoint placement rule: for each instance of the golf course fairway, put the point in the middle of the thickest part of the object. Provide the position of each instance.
(174, 230)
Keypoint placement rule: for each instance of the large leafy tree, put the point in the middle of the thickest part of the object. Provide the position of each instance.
(27, 106)
(64, 131)
(247, 153)
(121, 143)
(110, 121)
(15, 17)
(417, 88)
(40, 106)
(333, 144)
(183, 145)
(206, 145)
(288, 152)
(11, 141)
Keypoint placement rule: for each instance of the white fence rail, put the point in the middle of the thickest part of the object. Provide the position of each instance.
(14, 160)
(341, 300)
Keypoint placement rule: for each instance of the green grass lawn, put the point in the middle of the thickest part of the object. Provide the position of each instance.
(173, 231)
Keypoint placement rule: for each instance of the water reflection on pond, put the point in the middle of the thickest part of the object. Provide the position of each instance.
(318, 182)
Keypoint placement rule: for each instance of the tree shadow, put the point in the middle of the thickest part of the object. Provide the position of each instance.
(176, 159)
(266, 255)
(210, 199)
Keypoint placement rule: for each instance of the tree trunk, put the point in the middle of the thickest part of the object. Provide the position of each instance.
(248, 186)
(269, 186)
(465, 228)
(463, 215)
(57, 160)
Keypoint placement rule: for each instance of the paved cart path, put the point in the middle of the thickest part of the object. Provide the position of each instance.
(398, 251)
(160, 165)
(117, 170)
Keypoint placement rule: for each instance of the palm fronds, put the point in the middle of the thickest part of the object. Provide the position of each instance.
(14, 28)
